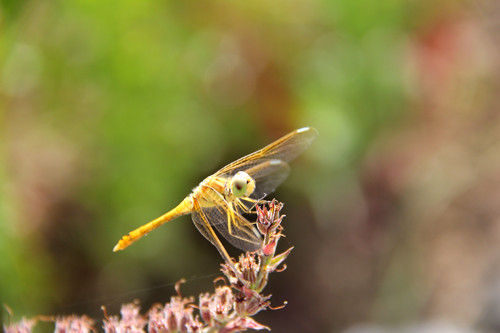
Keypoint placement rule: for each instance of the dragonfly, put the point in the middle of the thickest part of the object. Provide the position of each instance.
(221, 201)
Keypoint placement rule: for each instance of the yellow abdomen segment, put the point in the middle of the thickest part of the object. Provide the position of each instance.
(185, 207)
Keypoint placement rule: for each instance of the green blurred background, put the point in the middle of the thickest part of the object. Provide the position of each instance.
(112, 111)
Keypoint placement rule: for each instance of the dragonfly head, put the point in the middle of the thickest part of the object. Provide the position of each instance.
(242, 185)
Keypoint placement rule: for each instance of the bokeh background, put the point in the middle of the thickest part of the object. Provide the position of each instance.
(112, 111)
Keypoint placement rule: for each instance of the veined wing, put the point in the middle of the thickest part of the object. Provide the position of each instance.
(268, 168)
(242, 235)
(236, 229)
(284, 149)
(203, 225)
(268, 175)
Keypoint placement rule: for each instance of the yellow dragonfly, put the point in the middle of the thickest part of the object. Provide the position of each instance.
(221, 200)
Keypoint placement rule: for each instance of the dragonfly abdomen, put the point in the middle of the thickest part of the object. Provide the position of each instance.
(185, 207)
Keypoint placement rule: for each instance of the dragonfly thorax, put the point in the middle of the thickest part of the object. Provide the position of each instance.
(240, 185)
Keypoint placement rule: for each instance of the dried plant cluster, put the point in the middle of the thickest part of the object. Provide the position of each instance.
(229, 309)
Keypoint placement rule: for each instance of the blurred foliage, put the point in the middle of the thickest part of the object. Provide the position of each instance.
(111, 112)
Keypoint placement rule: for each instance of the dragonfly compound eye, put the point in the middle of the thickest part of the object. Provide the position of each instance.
(239, 184)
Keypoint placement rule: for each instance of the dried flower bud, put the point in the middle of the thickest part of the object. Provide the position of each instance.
(269, 219)
(249, 302)
(248, 268)
(176, 316)
(221, 303)
(204, 305)
(269, 249)
(74, 323)
(131, 320)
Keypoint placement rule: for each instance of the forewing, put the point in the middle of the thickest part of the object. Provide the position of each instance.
(284, 149)
(268, 175)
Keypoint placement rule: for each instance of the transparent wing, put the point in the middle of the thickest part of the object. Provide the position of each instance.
(202, 223)
(226, 218)
(236, 229)
(268, 175)
(285, 149)
(203, 226)
(227, 221)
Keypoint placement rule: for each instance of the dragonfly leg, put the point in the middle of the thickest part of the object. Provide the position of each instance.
(251, 209)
